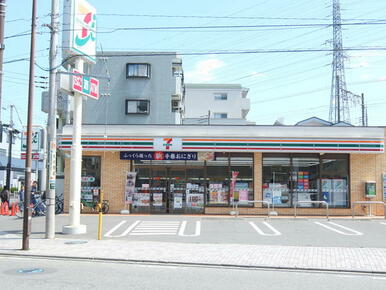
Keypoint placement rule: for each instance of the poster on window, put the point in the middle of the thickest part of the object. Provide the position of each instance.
(194, 200)
(130, 187)
(157, 199)
(142, 199)
(241, 192)
(177, 201)
(217, 193)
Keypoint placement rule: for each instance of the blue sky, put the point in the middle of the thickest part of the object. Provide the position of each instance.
(286, 86)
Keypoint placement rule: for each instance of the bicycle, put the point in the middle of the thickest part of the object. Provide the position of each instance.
(38, 209)
(93, 205)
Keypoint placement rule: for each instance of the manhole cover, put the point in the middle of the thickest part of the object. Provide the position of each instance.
(30, 271)
(76, 242)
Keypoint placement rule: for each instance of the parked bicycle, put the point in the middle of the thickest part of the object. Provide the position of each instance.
(39, 208)
(59, 203)
(94, 205)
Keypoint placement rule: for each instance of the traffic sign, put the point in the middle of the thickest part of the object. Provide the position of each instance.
(85, 85)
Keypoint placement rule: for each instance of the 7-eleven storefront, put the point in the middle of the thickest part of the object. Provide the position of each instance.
(204, 169)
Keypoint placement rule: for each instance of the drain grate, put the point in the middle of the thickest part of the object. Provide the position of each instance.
(30, 271)
(76, 242)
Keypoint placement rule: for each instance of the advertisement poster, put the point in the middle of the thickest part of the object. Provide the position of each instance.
(142, 199)
(217, 193)
(157, 199)
(195, 200)
(130, 187)
(177, 201)
(241, 192)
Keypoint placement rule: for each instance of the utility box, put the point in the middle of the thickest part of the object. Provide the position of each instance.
(370, 189)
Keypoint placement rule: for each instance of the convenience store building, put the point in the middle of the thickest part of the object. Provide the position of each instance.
(181, 169)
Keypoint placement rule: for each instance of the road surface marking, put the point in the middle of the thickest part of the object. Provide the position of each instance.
(275, 232)
(196, 233)
(108, 234)
(156, 228)
(350, 231)
(383, 223)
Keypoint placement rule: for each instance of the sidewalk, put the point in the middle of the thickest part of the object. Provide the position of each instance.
(368, 260)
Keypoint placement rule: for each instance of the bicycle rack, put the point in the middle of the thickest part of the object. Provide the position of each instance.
(367, 202)
(236, 205)
(313, 201)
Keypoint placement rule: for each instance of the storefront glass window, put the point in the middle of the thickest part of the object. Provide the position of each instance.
(91, 179)
(241, 166)
(334, 180)
(305, 176)
(276, 180)
(288, 178)
(218, 177)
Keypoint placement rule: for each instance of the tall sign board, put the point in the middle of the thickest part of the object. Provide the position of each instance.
(79, 30)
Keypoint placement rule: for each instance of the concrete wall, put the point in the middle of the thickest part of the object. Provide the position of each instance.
(200, 98)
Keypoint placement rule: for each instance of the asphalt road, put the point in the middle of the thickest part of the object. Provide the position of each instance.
(218, 230)
(70, 274)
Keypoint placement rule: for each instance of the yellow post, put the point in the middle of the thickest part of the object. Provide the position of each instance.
(100, 215)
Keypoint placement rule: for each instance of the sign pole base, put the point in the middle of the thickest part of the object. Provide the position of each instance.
(74, 229)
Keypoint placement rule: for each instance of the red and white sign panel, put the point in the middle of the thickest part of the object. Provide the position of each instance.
(85, 85)
(35, 156)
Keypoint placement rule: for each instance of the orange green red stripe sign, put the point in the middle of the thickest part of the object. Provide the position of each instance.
(231, 144)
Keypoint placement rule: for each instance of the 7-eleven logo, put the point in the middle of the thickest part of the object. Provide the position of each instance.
(168, 143)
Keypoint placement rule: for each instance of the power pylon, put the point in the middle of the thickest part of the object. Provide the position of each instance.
(341, 98)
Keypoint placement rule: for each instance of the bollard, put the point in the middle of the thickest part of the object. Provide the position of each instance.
(100, 215)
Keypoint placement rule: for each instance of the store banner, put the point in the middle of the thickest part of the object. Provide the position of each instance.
(232, 189)
(384, 185)
(158, 155)
(130, 187)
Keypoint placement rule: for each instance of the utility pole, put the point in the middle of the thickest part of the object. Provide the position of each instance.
(51, 138)
(2, 47)
(10, 140)
(28, 161)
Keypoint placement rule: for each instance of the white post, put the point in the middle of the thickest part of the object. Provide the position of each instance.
(76, 164)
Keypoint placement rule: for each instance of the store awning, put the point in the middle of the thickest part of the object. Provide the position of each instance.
(227, 138)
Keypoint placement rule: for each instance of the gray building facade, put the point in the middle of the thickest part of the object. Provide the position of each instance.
(144, 88)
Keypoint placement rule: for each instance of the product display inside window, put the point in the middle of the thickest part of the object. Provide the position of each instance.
(290, 178)
(188, 186)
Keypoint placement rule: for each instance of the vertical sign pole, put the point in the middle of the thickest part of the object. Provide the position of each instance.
(51, 138)
(76, 164)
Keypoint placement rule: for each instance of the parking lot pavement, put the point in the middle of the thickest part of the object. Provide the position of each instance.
(362, 233)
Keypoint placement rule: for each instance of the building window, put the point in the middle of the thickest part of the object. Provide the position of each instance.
(221, 96)
(137, 106)
(220, 115)
(288, 178)
(137, 70)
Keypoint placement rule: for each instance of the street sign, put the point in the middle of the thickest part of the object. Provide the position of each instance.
(85, 85)
(35, 156)
(36, 140)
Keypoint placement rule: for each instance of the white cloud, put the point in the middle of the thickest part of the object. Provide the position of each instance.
(204, 70)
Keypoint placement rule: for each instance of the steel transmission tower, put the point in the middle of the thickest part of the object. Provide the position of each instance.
(341, 98)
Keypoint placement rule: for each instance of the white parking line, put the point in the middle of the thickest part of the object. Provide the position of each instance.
(383, 223)
(108, 234)
(196, 233)
(275, 232)
(350, 231)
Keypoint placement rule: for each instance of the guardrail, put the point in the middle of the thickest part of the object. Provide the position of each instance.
(367, 202)
(236, 205)
(313, 201)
